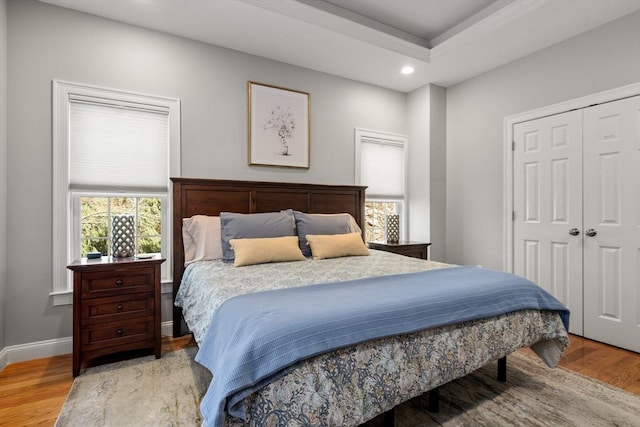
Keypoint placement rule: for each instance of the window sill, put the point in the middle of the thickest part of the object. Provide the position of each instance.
(62, 298)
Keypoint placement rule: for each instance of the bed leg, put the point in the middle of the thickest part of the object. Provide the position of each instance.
(389, 418)
(434, 400)
(502, 369)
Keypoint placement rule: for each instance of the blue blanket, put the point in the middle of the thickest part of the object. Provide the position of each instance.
(255, 336)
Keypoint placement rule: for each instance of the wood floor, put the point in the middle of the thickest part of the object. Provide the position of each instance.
(32, 393)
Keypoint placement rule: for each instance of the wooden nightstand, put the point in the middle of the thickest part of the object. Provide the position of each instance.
(411, 249)
(116, 307)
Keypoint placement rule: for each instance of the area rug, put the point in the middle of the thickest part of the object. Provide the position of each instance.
(167, 391)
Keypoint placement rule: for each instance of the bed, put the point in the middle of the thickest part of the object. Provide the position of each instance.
(353, 381)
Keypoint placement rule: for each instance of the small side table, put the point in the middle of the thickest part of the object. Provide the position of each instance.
(406, 248)
(116, 307)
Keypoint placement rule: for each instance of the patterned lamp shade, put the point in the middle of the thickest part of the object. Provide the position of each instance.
(123, 237)
(393, 228)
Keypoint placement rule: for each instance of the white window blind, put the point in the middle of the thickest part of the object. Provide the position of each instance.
(117, 147)
(382, 168)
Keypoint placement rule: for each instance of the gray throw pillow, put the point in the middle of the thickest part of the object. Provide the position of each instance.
(320, 224)
(241, 226)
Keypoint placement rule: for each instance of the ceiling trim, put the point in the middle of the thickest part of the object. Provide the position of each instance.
(326, 37)
(483, 22)
(330, 17)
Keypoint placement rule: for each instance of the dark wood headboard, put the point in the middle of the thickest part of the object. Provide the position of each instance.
(192, 196)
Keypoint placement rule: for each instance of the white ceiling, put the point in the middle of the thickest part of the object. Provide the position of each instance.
(446, 41)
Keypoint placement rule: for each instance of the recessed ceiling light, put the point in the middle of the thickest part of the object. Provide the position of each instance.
(407, 70)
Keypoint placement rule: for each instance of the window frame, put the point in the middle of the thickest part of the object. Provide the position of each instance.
(63, 208)
(361, 136)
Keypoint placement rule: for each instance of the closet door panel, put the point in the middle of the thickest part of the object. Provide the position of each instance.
(611, 182)
(547, 205)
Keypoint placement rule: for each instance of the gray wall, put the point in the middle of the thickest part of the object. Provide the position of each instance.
(3, 168)
(437, 177)
(418, 107)
(426, 123)
(604, 58)
(46, 42)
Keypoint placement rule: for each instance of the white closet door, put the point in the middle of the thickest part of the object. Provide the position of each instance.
(548, 207)
(612, 212)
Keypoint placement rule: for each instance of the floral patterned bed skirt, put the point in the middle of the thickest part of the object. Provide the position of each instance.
(355, 384)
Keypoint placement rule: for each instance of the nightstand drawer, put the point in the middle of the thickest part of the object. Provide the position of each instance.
(117, 308)
(117, 282)
(410, 249)
(414, 252)
(115, 334)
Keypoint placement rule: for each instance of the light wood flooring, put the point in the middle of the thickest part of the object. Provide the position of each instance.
(32, 393)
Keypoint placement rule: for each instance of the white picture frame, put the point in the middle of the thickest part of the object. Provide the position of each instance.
(278, 126)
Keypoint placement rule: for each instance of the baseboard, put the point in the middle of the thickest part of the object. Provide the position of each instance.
(35, 350)
(3, 358)
(50, 348)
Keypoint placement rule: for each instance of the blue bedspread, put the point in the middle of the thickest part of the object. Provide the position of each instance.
(255, 336)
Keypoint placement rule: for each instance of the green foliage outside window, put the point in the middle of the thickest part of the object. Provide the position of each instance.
(97, 213)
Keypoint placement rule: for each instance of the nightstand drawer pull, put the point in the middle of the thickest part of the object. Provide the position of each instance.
(119, 282)
(119, 332)
(119, 308)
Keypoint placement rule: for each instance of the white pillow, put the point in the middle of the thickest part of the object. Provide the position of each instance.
(188, 243)
(201, 238)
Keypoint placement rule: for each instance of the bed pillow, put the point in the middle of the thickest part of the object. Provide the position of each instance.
(243, 226)
(336, 245)
(201, 238)
(266, 249)
(188, 243)
(317, 224)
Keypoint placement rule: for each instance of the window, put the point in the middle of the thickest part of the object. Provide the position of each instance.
(97, 213)
(381, 166)
(375, 214)
(114, 152)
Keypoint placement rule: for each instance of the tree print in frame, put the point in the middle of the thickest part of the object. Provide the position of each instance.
(279, 131)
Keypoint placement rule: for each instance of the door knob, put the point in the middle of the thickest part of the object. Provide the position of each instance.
(591, 232)
(574, 231)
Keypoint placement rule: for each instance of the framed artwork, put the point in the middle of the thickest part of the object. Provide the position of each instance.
(279, 133)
